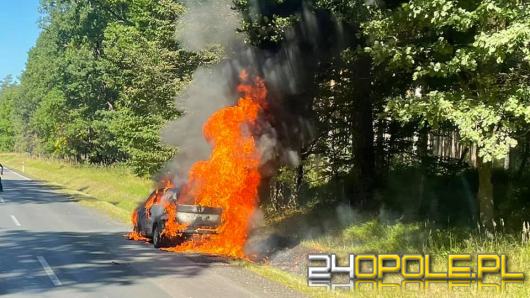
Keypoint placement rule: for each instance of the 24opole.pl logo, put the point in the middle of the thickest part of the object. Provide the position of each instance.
(413, 269)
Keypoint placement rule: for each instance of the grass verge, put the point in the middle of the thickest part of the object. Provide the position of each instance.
(372, 236)
(113, 190)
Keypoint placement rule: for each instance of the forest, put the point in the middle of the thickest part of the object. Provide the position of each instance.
(420, 107)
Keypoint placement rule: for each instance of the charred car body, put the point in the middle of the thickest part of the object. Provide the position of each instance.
(152, 218)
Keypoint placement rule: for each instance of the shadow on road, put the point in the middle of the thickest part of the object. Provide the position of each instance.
(87, 260)
(36, 192)
(84, 260)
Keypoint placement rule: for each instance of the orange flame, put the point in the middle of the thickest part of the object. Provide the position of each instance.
(135, 235)
(154, 198)
(230, 178)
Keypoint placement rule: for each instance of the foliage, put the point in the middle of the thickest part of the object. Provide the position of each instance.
(468, 62)
(8, 95)
(101, 82)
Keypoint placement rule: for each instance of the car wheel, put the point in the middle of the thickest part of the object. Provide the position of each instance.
(158, 239)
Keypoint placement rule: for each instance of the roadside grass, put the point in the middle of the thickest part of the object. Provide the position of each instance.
(113, 190)
(372, 236)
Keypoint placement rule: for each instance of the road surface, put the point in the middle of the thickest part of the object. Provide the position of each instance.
(51, 246)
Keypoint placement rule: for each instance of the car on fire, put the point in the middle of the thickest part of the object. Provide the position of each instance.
(151, 218)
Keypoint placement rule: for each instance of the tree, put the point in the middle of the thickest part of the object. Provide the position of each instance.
(147, 69)
(468, 64)
(8, 97)
(339, 91)
(102, 80)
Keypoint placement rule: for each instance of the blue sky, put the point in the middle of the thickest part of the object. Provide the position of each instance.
(19, 30)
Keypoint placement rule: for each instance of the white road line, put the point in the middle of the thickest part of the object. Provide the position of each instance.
(49, 271)
(15, 220)
(21, 176)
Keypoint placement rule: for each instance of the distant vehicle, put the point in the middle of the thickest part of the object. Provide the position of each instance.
(152, 218)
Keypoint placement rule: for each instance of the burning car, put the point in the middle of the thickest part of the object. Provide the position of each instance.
(228, 180)
(151, 217)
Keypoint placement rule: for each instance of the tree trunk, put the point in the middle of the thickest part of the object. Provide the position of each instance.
(379, 158)
(524, 158)
(423, 151)
(363, 136)
(485, 192)
(507, 160)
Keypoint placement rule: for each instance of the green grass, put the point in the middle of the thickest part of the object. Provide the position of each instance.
(114, 190)
(373, 237)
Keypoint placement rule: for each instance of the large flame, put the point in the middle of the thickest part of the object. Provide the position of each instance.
(230, 178)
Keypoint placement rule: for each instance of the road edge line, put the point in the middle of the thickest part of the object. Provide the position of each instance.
(16, 173)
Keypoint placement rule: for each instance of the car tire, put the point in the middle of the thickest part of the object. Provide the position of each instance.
(159, 240)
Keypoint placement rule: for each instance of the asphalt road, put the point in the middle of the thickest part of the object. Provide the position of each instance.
(51, 246)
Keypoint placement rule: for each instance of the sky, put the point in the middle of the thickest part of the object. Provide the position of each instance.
(19, 30)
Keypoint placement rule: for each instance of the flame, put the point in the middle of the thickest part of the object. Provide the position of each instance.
(135, 235)
(172, 228)
(230, 178)
(154, 198)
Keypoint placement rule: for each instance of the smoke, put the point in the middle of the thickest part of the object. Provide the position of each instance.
(209, 91)
(207, 23)
(287, 68)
